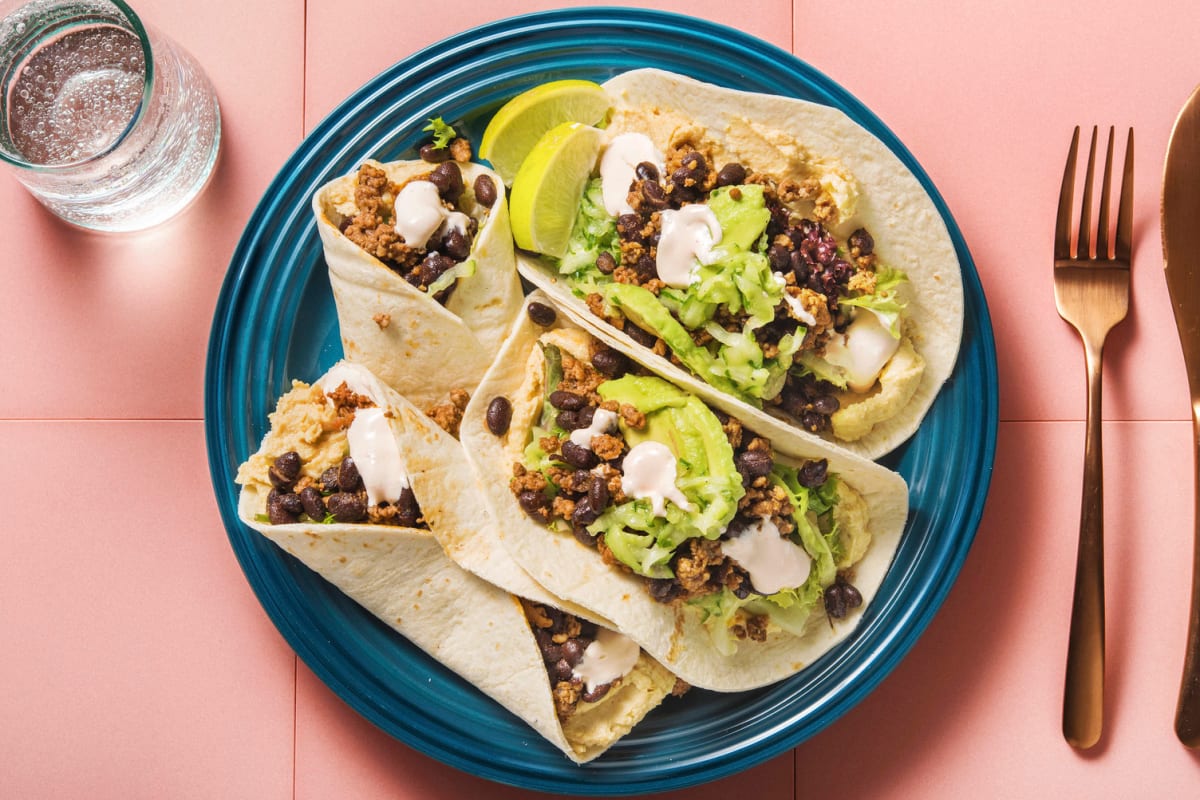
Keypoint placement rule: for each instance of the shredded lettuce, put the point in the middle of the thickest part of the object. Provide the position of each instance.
(442, 133)
(885, 302)
(463, 269)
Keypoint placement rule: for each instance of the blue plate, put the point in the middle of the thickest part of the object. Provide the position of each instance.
(275, 321)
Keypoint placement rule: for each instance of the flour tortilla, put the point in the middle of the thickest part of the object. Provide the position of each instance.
(404, 577)
(427, 349)
(672, 634)
(891, 204)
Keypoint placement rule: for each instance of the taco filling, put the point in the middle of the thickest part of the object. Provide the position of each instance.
(687, 498)
(734, 272)
(423, 227)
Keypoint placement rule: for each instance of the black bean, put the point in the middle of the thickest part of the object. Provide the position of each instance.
(532, 501)
(779, 257)
(568, 420)
(499, 415)
(606, 263)
(485, 191)
(456, 244)
(290, 502)
(329, 480)
(596, 694)
(646, 267)
(433, 266)
(408, 512)
(662, 589)
(826, 404)
(653, 195)
(610, 363)
(578, 457)
(814, 422)
(314, 506)
(629, 226)
(433, 154)
(684, 178)
(541, 314)
(585, 416)
(799, 266)
(584, 514)
(643, 337)
(288, 465)
(572, 651)
(278, 508)
(447, 177)
(753, 464)
(582, 536)
(863, 241)
(732, 174)
(853, 597)
(561, 671)
(598, 494)
(835, 601)
(813, 473)
(646, 171)
(567, 401)
(695, 162)
(347, 506)
(348, 478)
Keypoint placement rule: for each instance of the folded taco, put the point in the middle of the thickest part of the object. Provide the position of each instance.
(766, 250)
(733, 554)
(357, 483)
(421, 265)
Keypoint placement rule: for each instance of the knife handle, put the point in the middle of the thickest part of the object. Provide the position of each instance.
(1083, 695)
(1187, 713)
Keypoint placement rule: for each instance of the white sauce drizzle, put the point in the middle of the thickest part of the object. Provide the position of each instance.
(377, 456)
(420, 213)
(602, 422)
(774, 562)
(862, 351)
(617, 169)
(797, 308)
(688, 238)
(649, 474)
(611, 655)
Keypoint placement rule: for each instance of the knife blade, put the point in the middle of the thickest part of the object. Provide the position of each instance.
(1181, 264)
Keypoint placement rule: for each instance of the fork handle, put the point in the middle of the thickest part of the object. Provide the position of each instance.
(1187, 714)
(1083, 697)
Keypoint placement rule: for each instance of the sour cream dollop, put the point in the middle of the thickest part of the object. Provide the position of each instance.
(602, 422)
(862, 351)
(618, 165)
(774, 562)
(649, 474)
(688, 238)
(420, 213)
(377, 456)
(611, 655)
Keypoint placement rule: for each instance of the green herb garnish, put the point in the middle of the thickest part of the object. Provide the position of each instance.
(442, 133)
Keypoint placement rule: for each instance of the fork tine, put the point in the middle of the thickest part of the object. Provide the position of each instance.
(1105, 198)
(1084, 249)
(1062, 226)
(1124, 250)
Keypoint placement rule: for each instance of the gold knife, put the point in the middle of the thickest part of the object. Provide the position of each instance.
(1181, 262)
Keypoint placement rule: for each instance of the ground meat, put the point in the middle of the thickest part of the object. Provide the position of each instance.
(607, 447)
(382, 320)
(753, 628)
(524, 480)
(733, 431)
(862, 281)
(764, 499)
(632, 417)
(449, 415)
(692, 567)
(680, 688)
(562, 507)
(371, 228)
(345, 403)
(460, 150)
(580, 378)
(566, 698)
(595, 304)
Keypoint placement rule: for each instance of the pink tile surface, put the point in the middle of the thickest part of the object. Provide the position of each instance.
(986, 96)
(335, 37)
(975, 709)
(119, 324)
(338, 753)
(137, 663)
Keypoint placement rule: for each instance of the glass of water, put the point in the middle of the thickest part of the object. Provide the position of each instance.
(109, 124)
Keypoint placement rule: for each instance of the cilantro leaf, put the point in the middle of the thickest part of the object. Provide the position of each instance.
(442, 133)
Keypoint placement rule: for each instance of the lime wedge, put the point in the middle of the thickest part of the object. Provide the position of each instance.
(547, 189)
(523, 120)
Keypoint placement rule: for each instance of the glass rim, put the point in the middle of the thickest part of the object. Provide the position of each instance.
(139, 30)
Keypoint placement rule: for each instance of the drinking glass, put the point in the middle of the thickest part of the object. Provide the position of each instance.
(110, 124)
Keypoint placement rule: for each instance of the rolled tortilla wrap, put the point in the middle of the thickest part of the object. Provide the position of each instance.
(416, 345)
(674, 633)
(800, 141)
(403, 576)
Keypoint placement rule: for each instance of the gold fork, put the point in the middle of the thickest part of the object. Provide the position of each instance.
(1091, 291)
